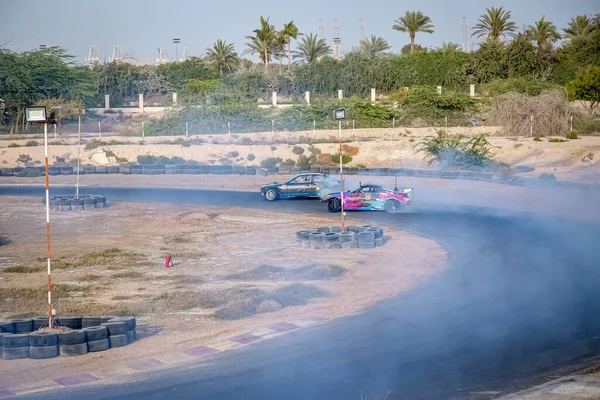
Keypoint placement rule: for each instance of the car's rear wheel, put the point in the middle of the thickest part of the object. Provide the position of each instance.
(271, 194)
(392, 205)
(334, 205)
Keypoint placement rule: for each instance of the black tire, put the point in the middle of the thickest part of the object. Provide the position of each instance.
(323, 229)
(302, 235)
(106, 319)
(129, 322)
(70, 322)
(333, 245)
(69, 338)
(115, 328)
(347, 237)
(68, 350)
(392, 205)
(331, 237)
(334, 205)
(316, 237)
(118, 341)
(7, 327)
(95, 333)
(87, 322)
(98, 345)
(15, 353)
(306, 244)
(130, 337)
(43, 339)
(22, 325)
(14, 341)
(367, 236)
(272, 194)
(100, 202)
(41, 353)
(335, 229)
(89, 202)
(350, 245)
(376, 231)
(379, 242)
(317, 245)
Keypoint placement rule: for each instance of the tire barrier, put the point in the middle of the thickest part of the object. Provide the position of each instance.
(86, 334)
(332, 237)
(69, 203)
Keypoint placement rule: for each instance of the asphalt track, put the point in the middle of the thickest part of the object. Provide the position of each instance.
(517, 302)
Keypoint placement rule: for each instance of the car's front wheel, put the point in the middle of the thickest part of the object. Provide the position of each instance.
(334, 205)
(271, 194)
(392, 205)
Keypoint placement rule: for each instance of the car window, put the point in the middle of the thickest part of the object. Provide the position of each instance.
(317, 178)
(296, 181)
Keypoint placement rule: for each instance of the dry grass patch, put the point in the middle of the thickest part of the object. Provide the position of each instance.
(24, 300)
(128, 275)
(308, 273)
(90, 277)
(21, 269)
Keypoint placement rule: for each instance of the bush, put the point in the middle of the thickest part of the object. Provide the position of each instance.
(270, 162)
(32, 143)
(326, 159)
(572, 135)
(456, 150)
(335, 159)
(251, 157)
(289, 162)
(556, 140)
(160, 160)
(349, 150)
(314, 150)
(12, 145)
(233, 154)
(586, 125)
(24, 158)
(304, 161)
(298, 150)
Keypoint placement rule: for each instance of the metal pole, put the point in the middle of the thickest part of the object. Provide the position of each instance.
(50, 322)
(78, 156)
(314, 129)
(352, 128)
(571, 123)
(187, 130)
(143, 133)
(446, 122)
(229, 129)
(55, 137)
(531, 126)
(393, 127)
(272, 126)
(341, 178)
(99, 130)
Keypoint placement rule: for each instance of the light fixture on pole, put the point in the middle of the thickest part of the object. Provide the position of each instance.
(37, 115)
(176, 41)
(339, 116)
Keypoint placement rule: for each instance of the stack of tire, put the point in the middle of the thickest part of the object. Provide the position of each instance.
(364, 237)
(85, 334)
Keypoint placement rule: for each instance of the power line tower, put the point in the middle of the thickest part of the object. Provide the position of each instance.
(186, 53)
(321, 29)
(337, 41)
(93, 57)
(117, 54)
(361, 29)
(162, 56)
(465, 37)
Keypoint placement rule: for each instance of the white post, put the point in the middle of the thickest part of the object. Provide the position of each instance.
(50, 322)
(373, 95)
(352, 128)
(229, 129)
(187, 130)
(341, 177)
(446, 122)
(571, 123)
(340, 94)
(99, 130)
(314, 129)
(107, 101)
(439, 90)
(272, 126)
(55, 136)
(143, 133)
(174, 99)
(393, 127)
(307, 97)
(472, 90)
(78, 157)
(531, 126)
(274, 99)
(141, 101)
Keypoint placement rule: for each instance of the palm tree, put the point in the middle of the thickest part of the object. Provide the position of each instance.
(580, 27)
(311, 48)
(494, 24)
(222, 56)
(290, 31)
(413, 22)
(263, 41)
(374, 46)
(449, 47)
(543, 33)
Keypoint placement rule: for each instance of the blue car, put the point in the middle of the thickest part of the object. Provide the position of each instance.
(309, 185)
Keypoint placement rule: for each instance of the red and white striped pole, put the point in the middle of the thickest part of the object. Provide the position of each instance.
(50, 322)
(341, 179)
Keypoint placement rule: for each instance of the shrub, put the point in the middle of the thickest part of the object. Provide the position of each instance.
(246, 141)
(335, 159)
(270, 162)
(268, 306)
(24, 158)
(273, 148)
(326, 159)
(456, 150)
(288, 162)
(314, 150)
(14, 145)
(556, 140)
(572, 135)
(233, 154)
(304, 161)
(350, 150)
(537, 139)
(32, 143)
(251, 157)
(298, 150)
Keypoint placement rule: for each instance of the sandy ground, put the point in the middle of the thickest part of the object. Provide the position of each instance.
(208, 244)
(577, 160)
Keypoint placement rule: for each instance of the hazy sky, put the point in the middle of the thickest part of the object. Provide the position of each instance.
(141, 26)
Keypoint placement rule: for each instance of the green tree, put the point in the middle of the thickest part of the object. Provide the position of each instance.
(413, 22)
(311, 48)
(543, 33)
(373, 46)
(222, 56)
(290, 31)
(580, 28)
(178, 73)
(407, 49)
(494, 24)
(488, 62)
(263, 41)
(521, 57)
(449, 47)
(586, 87)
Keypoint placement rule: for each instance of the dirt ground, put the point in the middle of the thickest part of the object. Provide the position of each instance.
(111, 261)
(577, 160)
